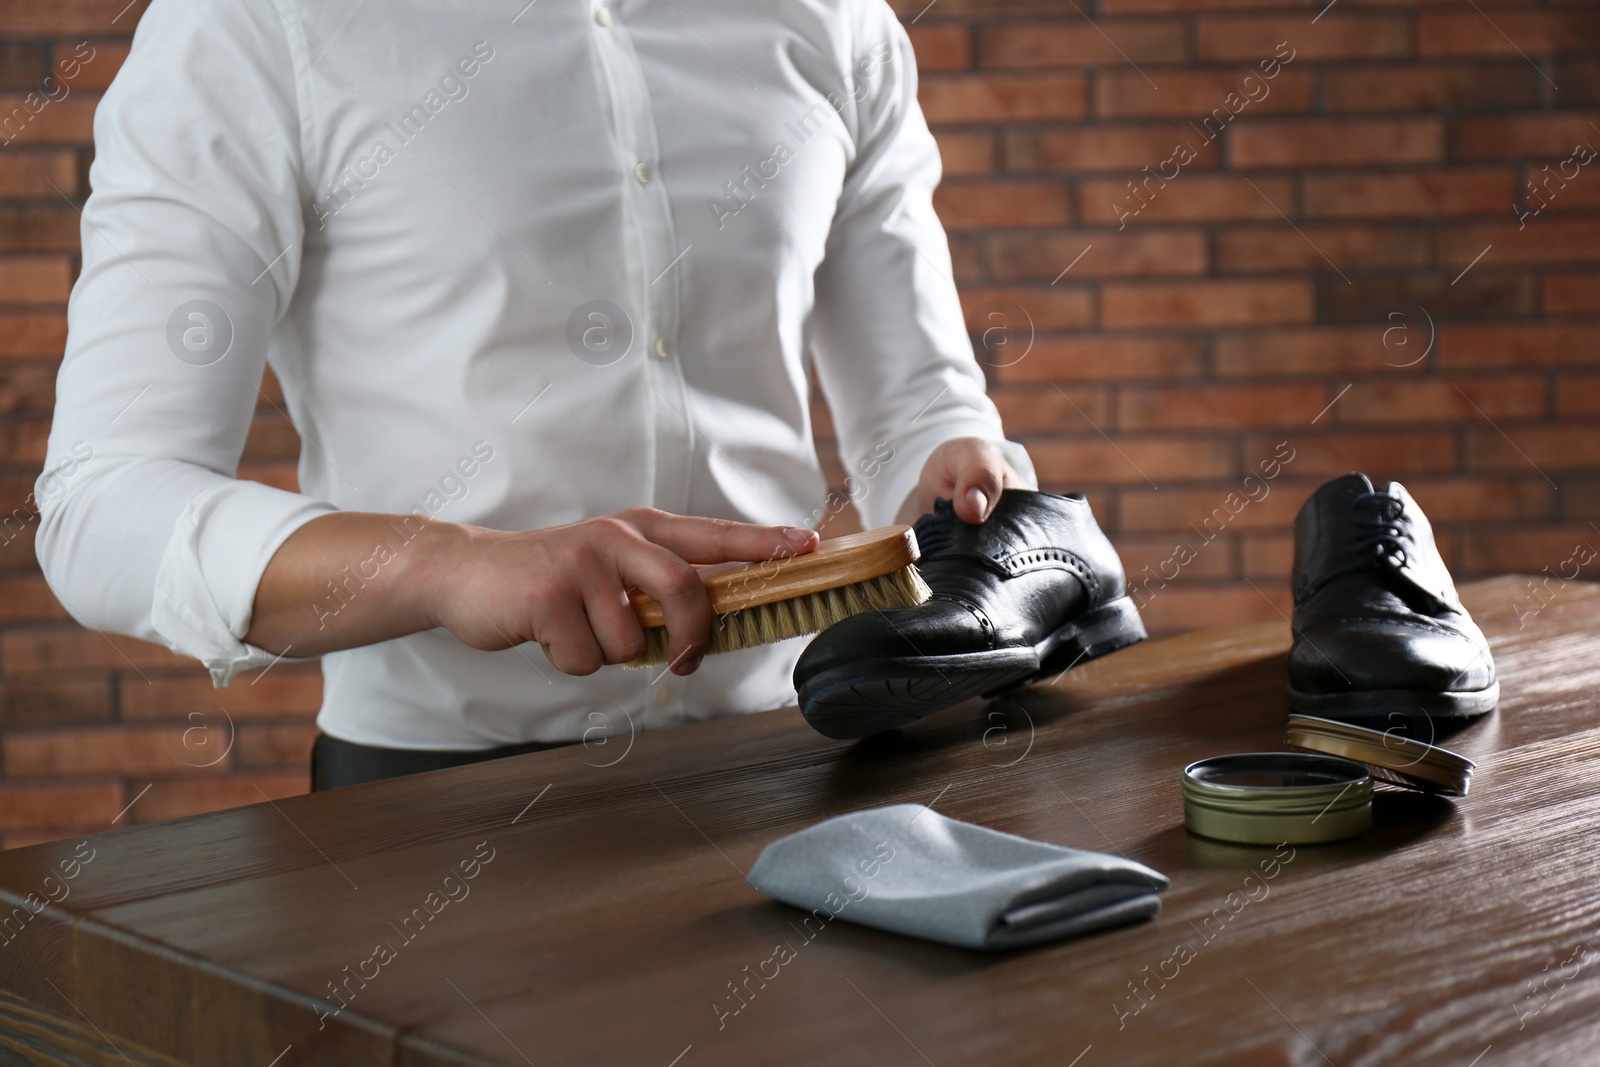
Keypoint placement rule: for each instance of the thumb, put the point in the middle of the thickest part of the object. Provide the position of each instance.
(980, 476)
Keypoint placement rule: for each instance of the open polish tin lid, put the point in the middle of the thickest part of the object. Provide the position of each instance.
(1388, 757)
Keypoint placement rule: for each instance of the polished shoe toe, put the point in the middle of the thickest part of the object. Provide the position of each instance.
(1396, 657)
(884, 669)
(938, 627)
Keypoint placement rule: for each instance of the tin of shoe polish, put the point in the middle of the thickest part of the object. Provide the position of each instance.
(1269, 798)
(1389, 757)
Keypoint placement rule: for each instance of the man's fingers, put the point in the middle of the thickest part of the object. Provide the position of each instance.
(700, 540)
(674, 585)
(979, 477)
(569, 643)
(977, 508)
(615, 626)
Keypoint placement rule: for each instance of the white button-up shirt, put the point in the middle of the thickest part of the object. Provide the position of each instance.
(514, 265)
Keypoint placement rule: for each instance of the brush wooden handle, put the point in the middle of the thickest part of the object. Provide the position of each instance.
(835, 562)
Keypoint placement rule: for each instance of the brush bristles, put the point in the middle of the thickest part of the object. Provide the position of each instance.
(783, 619)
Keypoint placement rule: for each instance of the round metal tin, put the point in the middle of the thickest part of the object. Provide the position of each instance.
(1388, 757)
(1270, 798)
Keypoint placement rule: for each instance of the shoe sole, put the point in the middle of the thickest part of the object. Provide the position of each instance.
(1380, 705)
(872, 696)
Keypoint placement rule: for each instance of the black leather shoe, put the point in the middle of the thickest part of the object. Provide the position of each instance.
(1033, 591)
(1379, 633)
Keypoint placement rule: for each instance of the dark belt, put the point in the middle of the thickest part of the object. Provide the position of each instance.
(336, 763)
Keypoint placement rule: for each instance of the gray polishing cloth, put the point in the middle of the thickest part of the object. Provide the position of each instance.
(908, 869)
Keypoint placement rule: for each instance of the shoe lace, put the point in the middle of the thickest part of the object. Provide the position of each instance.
(1385, 531)
(934, 529)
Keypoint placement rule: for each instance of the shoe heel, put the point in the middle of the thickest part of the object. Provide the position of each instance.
(1111, 626)
(1104, 630)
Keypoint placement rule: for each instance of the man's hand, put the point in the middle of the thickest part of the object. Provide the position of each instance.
(564, 587)
(970, 472)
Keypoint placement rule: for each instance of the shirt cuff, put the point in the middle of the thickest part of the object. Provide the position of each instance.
(206, 586)
(880, 504)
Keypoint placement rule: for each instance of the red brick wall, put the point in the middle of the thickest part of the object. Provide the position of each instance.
(1278, 282)
(1282, 278)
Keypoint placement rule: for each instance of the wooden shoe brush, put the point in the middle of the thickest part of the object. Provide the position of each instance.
(760, 603)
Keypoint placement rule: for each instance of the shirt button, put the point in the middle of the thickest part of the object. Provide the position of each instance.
(602, 15)
(641, 172)
(660, 349)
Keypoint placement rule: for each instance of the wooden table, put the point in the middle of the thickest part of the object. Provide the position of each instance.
(612, 915)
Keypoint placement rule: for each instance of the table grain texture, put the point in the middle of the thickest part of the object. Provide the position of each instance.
(607, 920)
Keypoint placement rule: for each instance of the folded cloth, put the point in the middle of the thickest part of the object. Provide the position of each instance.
(908, 869)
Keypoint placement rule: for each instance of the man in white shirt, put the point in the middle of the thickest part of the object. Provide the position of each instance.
(545, 286)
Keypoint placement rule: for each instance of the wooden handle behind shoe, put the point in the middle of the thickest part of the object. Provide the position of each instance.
(836, 562)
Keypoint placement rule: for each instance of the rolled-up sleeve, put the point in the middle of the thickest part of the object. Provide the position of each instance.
(191, 251)
(888, 339)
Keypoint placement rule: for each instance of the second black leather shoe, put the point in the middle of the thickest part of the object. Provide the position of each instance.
(1379, 634)
(1034, 590)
